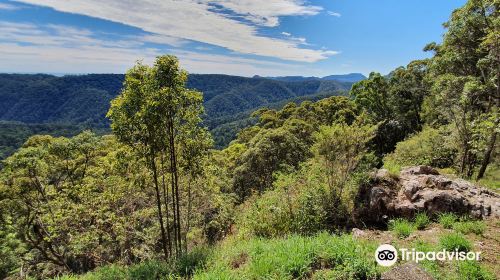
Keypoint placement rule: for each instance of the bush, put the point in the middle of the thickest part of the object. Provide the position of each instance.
(187, 264)
(431, 147)
(466, 227)
(149, 270)
(447, 220)
(110, 272)
(455, 241)
(471, 270)
(421, 221)
(401, 227)
(300, 203)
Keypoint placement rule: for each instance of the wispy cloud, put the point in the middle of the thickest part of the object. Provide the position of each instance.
(335, 14)
(286, 34)
(27, 47)
(8, 7)
(217, 22)
(267, 13)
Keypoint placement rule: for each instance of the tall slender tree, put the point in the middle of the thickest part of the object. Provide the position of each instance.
(159, 117)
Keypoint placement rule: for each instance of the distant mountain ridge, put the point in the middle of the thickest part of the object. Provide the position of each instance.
(40, 102)
(351, 77)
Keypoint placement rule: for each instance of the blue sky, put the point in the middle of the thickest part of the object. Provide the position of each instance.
(239, 37)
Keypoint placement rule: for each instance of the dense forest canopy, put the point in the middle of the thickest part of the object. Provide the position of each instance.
(56, 105)
(154, 193)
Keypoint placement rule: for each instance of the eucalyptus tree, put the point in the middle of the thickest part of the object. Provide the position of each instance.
(160, 118)
(465, 72)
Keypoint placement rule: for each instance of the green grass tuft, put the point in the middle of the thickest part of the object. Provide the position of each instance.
(401, 227)
(455, 241)
(471, 270)
(421, 221)
(466, 227)
(447, 220)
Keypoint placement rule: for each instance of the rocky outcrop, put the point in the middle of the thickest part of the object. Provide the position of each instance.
(407, 271)
(423, 189)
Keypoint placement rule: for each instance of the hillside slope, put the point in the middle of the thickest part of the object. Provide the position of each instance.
(82, 101)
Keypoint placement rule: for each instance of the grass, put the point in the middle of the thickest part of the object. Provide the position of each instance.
(466, 227)
(184, 267)
(391, 166)
(447, 220)
(317, 257)
(421, 221)
(491, 177)
(401, 227)
(467, 270)
(455, 241)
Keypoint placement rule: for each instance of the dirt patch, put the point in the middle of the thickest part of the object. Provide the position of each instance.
(239, 261)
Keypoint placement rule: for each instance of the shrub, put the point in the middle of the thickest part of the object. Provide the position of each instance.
(455, 241)
(466, 227)
(187, 264)
(110, 272)
(471, 270)
(428, 147)
(149, 270)
(421, 221)
(447, 220)
(401, 227)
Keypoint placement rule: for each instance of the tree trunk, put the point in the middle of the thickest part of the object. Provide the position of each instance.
(158, 204)
(165, 201)
(493, 138)
(487, 155)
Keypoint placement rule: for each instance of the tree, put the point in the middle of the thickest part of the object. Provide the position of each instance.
(340, 148)
(465, 76)
(157, 116)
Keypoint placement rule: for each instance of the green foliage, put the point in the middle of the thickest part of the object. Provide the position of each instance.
(421, 221)
(471, 270)
(340, 149)
(14, 134)
(394, 103)
(429, 147)
(159, 118)
(447, 220)
(53, 105)
(401, 227)
(467, 226)
(464, 77)
(291, 207)
(270, 151)
(455, 241)
(491, 178)
(291, 258)
(300, 203)
(431, 267)
(187, 264)
(10, 246)
(90, 203)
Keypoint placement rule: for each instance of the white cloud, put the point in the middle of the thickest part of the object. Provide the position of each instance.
(8, 7)
(266, 12)
(286, 34)
(335, 14)
(200, 20)
(162, 39)
(64, 49)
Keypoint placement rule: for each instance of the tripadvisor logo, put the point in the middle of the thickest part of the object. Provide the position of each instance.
(387, 255)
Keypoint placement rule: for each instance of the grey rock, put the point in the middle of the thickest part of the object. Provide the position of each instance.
(422, 188)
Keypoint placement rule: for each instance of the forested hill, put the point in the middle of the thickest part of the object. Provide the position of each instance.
(82, 101)
(351, 77)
